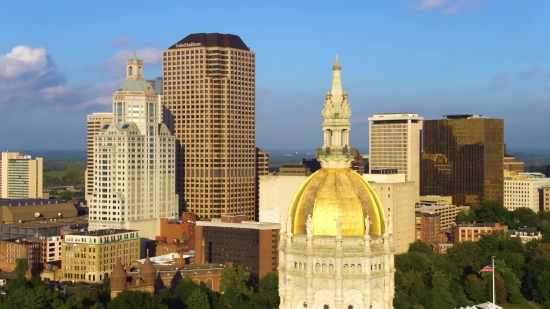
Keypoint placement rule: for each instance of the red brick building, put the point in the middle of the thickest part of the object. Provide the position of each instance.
(427, 228)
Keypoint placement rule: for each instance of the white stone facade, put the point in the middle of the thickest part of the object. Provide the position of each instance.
(134, 162)
(338, 272)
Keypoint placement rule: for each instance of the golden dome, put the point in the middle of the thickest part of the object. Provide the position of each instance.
(336, 192)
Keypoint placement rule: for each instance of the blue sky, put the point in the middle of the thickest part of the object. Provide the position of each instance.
(61, 60)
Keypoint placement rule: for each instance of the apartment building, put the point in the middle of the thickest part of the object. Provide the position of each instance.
(90, 256)
(20, 176)
(13, 249)
(427, 228)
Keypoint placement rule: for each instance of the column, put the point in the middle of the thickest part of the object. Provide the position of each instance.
(367, 297)
(339, 295)
(310, 292)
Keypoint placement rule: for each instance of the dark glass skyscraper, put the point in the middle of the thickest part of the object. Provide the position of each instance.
(462, 157)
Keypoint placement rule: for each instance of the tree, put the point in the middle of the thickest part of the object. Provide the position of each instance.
(465, 217)
(30, 298)
(522, 217)
(184, 289)
(541, 292)
(232, 299)
(441, 296)
(533, 269)
(129, 299)
(419, 246)
(171, 300)
(490, 212)
(198, 300)
(269, 290)
(235, 277)
(475, 288)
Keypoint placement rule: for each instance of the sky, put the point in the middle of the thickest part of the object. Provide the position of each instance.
(62, 60)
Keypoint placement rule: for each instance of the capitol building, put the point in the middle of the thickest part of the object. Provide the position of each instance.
(336, 249)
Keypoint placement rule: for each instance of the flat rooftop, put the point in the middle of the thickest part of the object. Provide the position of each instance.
(463, 116)
(102, 232)
(29, 202)
(243, 225)
(82, 220)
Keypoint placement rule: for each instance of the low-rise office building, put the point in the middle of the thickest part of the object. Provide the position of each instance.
(523, 190)
(231, 239)
(90, 256)
(473, 232)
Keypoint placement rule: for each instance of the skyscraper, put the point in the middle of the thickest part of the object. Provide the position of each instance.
(395, 142)
(209, 96)
(93, 125)
(134, 155)
(462, 157)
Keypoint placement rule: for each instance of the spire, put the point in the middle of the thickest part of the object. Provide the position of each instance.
(336, 81)
(336, 125)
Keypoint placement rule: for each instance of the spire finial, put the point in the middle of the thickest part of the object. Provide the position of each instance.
(147, 253)
(336, 64)
(135, 54)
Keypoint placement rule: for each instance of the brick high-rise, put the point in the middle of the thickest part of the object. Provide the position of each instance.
(209, 97)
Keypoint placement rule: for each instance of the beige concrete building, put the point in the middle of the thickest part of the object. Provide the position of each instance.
(446, 212)
(523, 190)
(90, 256)
(134, 162)
(93, 125)
(262, 158)
(395, 143)
(398, 197)
(209, 93)
(276, 192)
(545, 191)
(435, 199)
(20, 176)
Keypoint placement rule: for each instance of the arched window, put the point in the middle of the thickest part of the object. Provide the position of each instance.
(139, 71)
(130, 71)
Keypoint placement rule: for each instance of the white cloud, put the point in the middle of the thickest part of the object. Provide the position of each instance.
(122, 41)
(432, 4)
(29, 77)
(21, 60)
(450, 10)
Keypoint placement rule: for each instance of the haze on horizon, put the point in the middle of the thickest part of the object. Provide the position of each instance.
(431, 57)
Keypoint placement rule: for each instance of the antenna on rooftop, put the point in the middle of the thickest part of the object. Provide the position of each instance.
(202, 30)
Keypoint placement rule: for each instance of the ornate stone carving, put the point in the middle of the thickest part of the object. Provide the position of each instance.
(309, 227)
(367, 226)
(338, 226)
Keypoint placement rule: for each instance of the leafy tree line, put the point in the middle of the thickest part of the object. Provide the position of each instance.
(425, 280)
(235, 294)
(63, 172)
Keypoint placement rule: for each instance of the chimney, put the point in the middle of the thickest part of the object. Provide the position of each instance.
(203, 255)
(181, 257)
